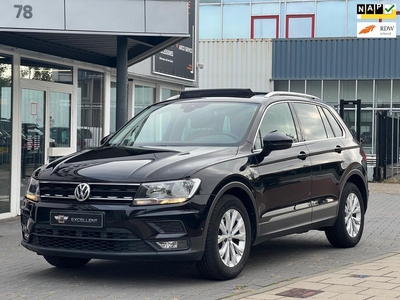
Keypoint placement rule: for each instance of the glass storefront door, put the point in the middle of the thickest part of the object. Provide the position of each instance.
(33, 126)
(46, 127)
(5, 131)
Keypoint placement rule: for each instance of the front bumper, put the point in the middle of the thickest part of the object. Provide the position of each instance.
(170, 232)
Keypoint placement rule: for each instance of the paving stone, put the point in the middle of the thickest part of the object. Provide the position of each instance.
(277, 263)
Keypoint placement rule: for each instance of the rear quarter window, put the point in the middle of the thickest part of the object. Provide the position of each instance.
(333, 122)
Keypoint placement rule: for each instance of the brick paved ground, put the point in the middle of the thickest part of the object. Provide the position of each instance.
(24, 275)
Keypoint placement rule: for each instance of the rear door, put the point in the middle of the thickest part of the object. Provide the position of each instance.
(284, 176)
(322, 139)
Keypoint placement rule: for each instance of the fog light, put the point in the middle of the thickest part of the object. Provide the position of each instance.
(25, 235)
(170, 245)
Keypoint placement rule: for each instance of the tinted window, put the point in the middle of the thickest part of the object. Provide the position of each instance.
(327, 126)
(334, 124)
(310, 121)
(278, 118)
(189, 123)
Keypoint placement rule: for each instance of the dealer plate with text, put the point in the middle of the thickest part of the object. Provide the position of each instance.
(77, 219)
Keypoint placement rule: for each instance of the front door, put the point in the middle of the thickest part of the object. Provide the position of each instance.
(46, 125)
(285, 176)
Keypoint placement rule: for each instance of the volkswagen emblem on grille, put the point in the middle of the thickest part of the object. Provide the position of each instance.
(82, 192)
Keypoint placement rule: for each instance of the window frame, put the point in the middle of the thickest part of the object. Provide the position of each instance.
(300, 16)
(296, 124)
(263, 17)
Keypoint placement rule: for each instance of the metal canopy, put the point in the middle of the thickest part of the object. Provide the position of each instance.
(91, 48)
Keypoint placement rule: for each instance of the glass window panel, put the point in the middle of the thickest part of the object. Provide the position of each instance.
(5, 130)
(236, 21)
(396, 90)
(230, 1)
(330, 92)
(352, 17)
(264, 9)
(328, 128)
(265, 27)
(366, 130)
(299, 27)
(311, 122)
(383, 93)
(348, 89)
(33, 129)
(333, 122)
(60, 121)
(278, 118)
(210, 25)
(144, 96)
(113, 105)
(314, 88)
(282, 23)
(297, 86)
(398, 16)
(167, 93)
(349, 118)
(300, 7)
(281, 85)
(210, 1)
(90, 108)
(365, 92)
(45, 71)
(327, 10)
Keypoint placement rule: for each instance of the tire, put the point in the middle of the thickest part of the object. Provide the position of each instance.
(66, 262)
(349, 225)
(236, 240)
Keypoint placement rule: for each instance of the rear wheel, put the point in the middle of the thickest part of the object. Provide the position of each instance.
(349, 225)
(228, 240)
(66, 262)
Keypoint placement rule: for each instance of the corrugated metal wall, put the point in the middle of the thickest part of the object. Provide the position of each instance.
(336, 58)
(235, 63)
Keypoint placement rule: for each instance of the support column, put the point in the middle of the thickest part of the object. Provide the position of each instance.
(122, 81)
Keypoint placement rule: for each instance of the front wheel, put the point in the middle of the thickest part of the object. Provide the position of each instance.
(228, 240)
(349, 225)
(66, 262)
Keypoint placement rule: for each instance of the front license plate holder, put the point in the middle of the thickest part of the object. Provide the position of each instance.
(77, 219)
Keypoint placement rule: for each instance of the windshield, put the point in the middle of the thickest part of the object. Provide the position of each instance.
(188, 123)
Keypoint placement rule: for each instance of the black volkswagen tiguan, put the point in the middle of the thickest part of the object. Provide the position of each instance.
(202, 177)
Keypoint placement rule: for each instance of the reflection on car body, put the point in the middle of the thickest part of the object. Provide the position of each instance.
(202, 177)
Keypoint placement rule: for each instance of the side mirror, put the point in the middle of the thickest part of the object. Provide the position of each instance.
(275, 141)
(105, 139)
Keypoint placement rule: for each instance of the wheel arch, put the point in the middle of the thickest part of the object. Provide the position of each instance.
(238, 187)
(357, 179)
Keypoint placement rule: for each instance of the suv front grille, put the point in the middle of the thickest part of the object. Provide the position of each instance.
(99, 192)
(103, 240)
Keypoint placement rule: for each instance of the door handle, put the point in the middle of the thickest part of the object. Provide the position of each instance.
(338, 149)
(302, 155)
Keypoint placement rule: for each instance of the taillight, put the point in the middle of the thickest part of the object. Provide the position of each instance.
(363, 154)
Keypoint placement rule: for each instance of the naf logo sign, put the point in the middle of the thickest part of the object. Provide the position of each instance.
(376, 11)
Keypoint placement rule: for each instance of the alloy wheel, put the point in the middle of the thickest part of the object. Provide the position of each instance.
(352, 215)
(231, 238)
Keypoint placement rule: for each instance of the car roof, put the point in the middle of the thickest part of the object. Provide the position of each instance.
(240, 95)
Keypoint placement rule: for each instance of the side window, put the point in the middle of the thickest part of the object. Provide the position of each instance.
(334, 124)
(310, 121)
(278, 118)
(327, 126)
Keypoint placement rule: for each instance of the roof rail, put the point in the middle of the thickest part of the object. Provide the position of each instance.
(240, 93)
(270, 94)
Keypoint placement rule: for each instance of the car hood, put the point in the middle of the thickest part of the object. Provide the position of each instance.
(140, 164)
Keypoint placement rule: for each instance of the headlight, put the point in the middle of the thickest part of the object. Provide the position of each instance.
(167, 192)
(32, 190)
